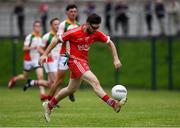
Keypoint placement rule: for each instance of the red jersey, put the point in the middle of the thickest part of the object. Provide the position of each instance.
(80, 41)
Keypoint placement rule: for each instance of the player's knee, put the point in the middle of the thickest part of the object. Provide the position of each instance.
(50, 83)
(25, 77)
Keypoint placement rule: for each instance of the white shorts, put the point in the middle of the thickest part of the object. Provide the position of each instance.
(30, 65)
(51, 66)
(62, 63)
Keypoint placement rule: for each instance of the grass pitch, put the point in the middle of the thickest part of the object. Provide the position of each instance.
(144, 108)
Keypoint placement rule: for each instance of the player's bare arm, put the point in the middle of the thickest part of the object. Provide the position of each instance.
(117, 62)
(41, 50)
(44, 57)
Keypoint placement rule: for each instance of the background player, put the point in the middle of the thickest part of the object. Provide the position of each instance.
(52, 63)
(80, 40)
(31, 57)
(69, 23)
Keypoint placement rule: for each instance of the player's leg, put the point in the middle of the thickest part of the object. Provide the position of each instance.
(41, 82)
(71, 88)
(51, 77)
(49, 68)
(62, 67)
(39, 73)
(59, 79)
(90, 78)
(23, 76)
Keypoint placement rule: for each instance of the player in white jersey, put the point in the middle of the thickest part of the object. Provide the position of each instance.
(51, 66)
(69, 23)
(31, 57)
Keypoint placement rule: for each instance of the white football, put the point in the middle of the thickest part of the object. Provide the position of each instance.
(119, 92)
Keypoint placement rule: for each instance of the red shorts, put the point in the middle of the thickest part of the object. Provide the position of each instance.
(77, 68)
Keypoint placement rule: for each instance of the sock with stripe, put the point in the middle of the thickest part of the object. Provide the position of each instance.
(34, 82)
(52, 103)
(111, 102)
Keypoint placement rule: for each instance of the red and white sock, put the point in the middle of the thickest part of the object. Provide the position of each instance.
(111, 102)
(52, 103)
(50, 97)
(34, 82)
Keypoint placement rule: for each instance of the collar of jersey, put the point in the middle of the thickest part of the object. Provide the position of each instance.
(69, 22)
(37, 35)
(52, 32)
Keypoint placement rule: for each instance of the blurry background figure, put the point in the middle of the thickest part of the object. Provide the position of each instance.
(174, 10)
(160, 13)
(43, 9)
(90, 8)
(121, 16)
(19, 12)
(148, 9)
(107, 11)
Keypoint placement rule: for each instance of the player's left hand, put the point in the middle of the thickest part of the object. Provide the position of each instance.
(117, 64)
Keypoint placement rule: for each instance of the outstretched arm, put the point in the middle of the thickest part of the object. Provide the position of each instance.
(117, 62)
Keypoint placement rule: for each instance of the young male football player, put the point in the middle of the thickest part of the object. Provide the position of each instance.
(80, 40)
(31, 57)
(69, 23)
(51, 66)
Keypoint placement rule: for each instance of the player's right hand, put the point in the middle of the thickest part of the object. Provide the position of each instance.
(43, 59)
(117, 63)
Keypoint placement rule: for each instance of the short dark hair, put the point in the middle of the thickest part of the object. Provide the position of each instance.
(71, 6)
(52, 20)
(94, 19)
(36, 21)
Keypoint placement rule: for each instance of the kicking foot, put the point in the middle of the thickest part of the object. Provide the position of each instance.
(12, 82)
(27, 85)
(72, 97)
(119, 104)
(47, 111)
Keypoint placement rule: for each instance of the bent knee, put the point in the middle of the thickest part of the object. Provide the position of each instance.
(25, 77)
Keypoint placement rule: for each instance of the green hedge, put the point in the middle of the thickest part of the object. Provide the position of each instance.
(135, 55)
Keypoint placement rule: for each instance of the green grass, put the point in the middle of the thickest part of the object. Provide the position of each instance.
(144, 108)
(135, 55)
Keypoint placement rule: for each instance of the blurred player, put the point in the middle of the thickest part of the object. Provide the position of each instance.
(31, 57)
(80, 40)
(51, 66)
(69, 23)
